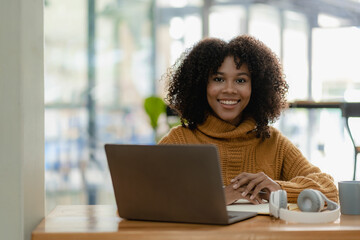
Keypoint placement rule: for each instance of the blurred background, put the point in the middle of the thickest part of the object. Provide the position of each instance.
(103, 58)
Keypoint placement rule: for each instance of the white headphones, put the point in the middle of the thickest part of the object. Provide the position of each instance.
(310, 202)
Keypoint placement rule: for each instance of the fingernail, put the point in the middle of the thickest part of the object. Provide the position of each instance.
(235, 186)
(232, 180)
(243, 194)
(252, 197)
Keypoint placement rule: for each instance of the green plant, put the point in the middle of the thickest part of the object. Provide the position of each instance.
(154, 106)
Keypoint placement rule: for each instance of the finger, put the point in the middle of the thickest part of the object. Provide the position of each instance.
(252, 184)
(262, 201)
(256, 200)
(259, 199)
(240, 190)
(253, 201)
(258, 188)
(264, 194)
(231, 195)
(238, 177)
(244, 180)
(268, 185)
(259, 178)
(250, 177)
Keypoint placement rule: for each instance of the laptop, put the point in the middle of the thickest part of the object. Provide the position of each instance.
(172, 183)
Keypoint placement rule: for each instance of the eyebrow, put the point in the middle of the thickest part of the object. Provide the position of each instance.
(239, 74)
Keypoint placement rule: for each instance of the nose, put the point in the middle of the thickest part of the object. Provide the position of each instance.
(229, 87)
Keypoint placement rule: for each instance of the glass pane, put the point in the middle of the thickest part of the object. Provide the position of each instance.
(322, 138)
(176, 30)
(76, 129)
(295, 55)
(65, 150)
(65, 52)
(265, 25)
(335, 64)
(178, 3)
(226, 22)
(65, 115)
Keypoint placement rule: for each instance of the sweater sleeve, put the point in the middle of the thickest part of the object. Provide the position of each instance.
(298, 174)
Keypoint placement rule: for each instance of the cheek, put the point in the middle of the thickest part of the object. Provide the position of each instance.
(211, 91)
(249, 94)
(246, 93)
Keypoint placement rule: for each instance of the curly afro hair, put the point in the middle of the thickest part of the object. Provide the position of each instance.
(187, 80)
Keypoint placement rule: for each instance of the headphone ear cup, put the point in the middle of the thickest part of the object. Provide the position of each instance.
(310, 200)
(282, 199)
(278, 200)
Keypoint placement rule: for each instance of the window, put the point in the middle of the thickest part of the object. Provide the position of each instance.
(132, 43)
(265, 25)
(296, 55)
(336, 69)
(76, 128)
(225, 22)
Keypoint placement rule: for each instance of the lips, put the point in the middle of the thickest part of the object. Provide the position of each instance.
(228, 102)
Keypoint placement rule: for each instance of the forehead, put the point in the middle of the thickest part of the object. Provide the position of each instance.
(229, 64)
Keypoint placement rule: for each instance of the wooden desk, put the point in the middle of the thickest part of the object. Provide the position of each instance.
(100, 222)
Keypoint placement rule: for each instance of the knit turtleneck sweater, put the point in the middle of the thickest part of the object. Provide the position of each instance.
(241, 151)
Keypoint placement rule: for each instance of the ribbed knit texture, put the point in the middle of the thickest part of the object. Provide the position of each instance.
(240, 151)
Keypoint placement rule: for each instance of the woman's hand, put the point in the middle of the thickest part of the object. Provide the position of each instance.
(250, 184)
(232, 195)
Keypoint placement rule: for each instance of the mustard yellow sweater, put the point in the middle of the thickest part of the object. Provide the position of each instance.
(241, 151)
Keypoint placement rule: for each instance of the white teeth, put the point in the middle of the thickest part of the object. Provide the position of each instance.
(228, 102)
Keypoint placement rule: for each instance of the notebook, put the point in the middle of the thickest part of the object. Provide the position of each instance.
(172, 183)
(244, 205)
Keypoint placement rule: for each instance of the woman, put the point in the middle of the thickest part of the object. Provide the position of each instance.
(227, 94)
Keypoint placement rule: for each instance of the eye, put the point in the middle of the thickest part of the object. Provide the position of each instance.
(241, 80)
(218, 79)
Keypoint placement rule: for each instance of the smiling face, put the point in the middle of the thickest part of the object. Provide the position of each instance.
(229, 91)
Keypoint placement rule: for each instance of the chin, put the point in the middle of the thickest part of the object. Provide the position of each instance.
(232, 121)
